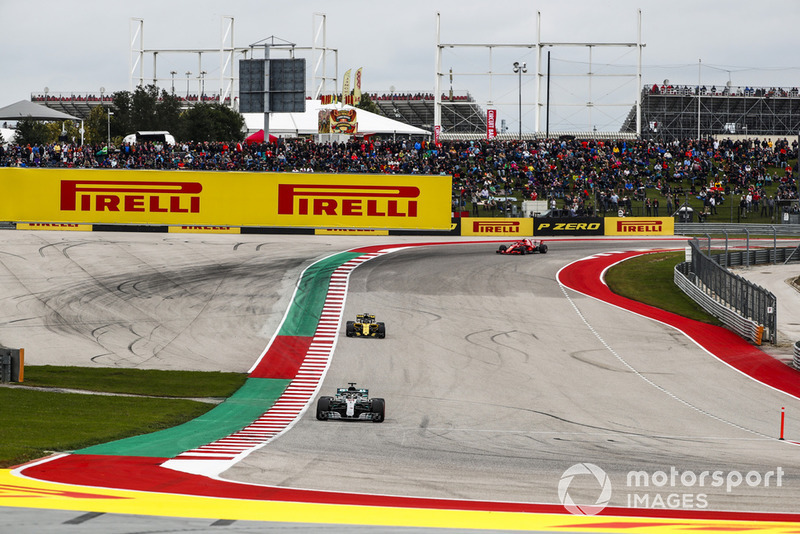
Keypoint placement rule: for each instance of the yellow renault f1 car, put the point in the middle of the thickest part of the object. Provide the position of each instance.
(365, 325)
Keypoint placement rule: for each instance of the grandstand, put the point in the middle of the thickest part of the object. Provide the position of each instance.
(460, 113)
(77, 104)
(668, 112)
(671, 112)
(81, 104)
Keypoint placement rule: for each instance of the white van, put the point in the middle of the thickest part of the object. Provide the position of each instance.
(153, 137)
(8, 136)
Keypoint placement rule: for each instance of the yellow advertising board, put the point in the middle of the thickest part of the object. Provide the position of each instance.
(640, 226)
(497, 227)
(349, 231)
(197, 198)
(204, 229)
(55, 226)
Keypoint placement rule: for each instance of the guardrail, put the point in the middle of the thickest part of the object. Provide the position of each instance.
(737, 228)
(796, 359)
(746, 308)
(746, 328)
(758, 256)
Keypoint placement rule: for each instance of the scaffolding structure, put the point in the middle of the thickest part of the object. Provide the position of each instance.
(322, 58)
(683, 112)
(459, 110)
(541, 75)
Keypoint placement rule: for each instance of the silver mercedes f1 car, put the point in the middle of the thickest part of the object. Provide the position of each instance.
(351, 404)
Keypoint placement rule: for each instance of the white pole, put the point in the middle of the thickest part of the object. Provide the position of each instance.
(699, 64)
(437, 92)
(325, 52)
(639, 80)
(538, 70)
(590, 91)
(108, 119)
(490, 103)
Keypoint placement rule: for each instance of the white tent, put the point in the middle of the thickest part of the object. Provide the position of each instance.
(25, 109)
(296, 124)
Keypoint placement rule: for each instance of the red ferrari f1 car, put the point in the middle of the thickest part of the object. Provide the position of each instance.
(526, 246)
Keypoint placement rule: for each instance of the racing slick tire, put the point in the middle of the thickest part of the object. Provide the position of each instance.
(381, 331)
(501, 249)
(542, 249)
(378, 410)
(323, 407)
(350, 328)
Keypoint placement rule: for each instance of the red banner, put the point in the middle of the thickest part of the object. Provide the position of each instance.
(357, 89)
(491, 123)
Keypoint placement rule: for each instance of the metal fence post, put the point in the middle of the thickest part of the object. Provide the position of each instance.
(747, 249)
(5, 367)
(774, 244)
(726, 247)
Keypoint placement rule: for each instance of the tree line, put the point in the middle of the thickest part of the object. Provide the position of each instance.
(145, 109)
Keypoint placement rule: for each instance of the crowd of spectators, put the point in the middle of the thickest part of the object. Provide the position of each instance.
(92, 98)
(414, 96)
(686, 90)
(583, 175)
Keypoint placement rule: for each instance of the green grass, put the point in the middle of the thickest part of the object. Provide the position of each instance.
(135, 381)
(35, 423)
(657, 269)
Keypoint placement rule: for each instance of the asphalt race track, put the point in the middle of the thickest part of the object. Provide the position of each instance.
(497, 378)
(495, 387)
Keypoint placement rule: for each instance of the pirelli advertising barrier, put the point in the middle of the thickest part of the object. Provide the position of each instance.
(551, 226)
(190, 198)
(577, 226)
(497, 227)
(640, 226)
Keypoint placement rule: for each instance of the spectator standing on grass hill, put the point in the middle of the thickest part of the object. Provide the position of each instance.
(655, 207)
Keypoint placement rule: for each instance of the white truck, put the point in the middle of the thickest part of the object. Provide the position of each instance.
(533, 208)
(153, 137)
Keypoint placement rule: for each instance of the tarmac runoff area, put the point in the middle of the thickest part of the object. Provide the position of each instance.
(780, 280)
(497, 378)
